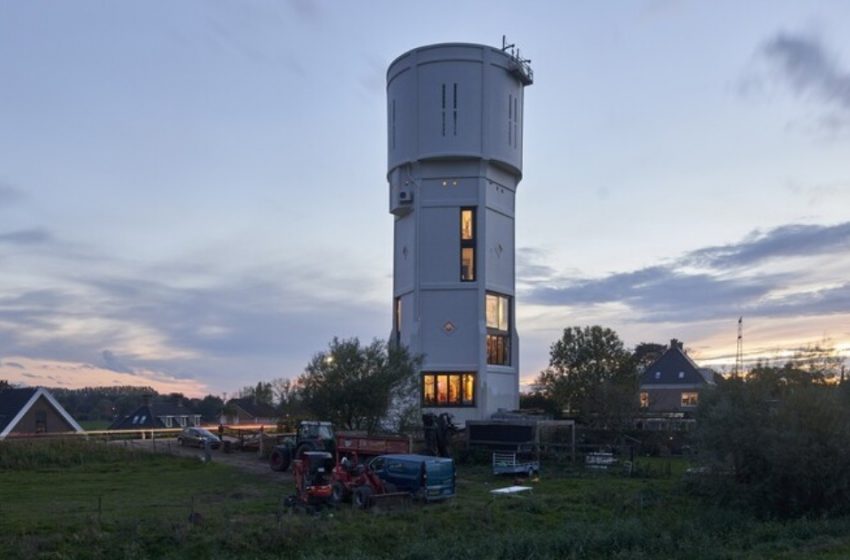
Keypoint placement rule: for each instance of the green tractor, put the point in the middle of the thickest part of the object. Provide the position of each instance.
(311, 436)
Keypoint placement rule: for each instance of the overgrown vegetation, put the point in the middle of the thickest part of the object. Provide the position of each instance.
(777, 443)
(146, 503)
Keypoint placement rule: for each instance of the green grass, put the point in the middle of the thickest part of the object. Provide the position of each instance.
(48, 511)
(91, 425)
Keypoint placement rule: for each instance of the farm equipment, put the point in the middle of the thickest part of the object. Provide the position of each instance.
(320, 436)
(360, 484)
(313, 473)
(507, 463)
(311, 436)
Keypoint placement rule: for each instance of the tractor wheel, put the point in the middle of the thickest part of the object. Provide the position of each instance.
(338, 493)
(362, 497)
(302, 448)
(280, 459)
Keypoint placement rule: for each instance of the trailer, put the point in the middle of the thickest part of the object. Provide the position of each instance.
(361, 445)
(507, 463)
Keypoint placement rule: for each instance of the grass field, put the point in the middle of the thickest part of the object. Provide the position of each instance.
(79, 500)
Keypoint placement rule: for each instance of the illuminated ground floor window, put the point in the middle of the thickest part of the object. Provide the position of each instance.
(448, 389)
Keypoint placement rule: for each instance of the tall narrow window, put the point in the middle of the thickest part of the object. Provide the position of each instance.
(397, 321)
(448, 389)
(392, 135)
(444, 110)
(510, 118)
(454, 110)
(516, 120)
(498, 311)
(467, 244)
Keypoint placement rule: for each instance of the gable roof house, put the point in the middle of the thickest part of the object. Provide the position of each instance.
(152, 415)
(670, 389)
(248, 411)
(33, 410)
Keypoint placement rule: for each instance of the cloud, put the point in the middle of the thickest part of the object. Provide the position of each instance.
(26, 237)
(112, 363)
(9, 194)
(14, 365)
(786, 241)
(807, 67)
(676, 292)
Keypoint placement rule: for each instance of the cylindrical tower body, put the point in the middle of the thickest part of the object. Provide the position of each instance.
(455, 116)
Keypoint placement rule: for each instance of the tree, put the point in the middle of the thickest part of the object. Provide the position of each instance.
(261, 392)
(354, 385)
(645, 354)
(591, 375)
(210, 408)
(777, 448)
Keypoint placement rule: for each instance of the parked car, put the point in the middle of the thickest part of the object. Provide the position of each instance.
(197, 437)
(426, 478)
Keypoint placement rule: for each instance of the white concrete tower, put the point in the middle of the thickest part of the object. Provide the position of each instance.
(454, 115)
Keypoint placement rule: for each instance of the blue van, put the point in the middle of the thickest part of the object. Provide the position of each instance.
(426, 478)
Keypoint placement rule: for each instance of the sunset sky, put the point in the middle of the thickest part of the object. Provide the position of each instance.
(193, 194)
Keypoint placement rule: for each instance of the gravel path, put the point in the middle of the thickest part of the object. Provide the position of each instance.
(246, 461)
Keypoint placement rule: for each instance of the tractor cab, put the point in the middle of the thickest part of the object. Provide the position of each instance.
(313, 473)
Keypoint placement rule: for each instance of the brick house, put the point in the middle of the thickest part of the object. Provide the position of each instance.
(670, 389)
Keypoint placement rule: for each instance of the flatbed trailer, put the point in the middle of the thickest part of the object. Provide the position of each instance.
(507, 463)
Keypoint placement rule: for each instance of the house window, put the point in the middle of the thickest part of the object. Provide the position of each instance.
(467, 244)
(444, 110)
(397, 318)
(681, 375)
(644, 399)
(657, 375)
(168, 421)
(182, 421)
(690, 399)
(196, 420)
(498, 311)
(40, 421)
(448, 389)
(143, 418)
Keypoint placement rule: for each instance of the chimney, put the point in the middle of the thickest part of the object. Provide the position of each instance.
(674, 343)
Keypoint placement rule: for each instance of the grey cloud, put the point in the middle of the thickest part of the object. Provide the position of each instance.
(786, 241)
(9, 194)
(31, 375)
(26, 236)
(808, 68)
(14, 365)
(662, 293)
(530, 265)
(669, 293)
(111, 362)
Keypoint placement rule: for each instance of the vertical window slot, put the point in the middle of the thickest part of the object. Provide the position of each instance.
(444, 110)
(467, 244)
(454, 108)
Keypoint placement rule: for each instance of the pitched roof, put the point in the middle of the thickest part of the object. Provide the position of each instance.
(255, 409)
(14, 404)
(674, 367)
(148, 415)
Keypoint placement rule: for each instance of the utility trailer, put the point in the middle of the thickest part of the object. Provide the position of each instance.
(507, 463)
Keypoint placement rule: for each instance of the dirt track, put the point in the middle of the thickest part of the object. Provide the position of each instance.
(247, 461)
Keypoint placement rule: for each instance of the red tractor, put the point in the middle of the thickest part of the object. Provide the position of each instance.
(360, 484)
(313, 474)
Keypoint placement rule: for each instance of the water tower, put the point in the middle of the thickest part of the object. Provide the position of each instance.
(454, 127)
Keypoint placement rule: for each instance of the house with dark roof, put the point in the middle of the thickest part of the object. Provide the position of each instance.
(670, 390)
(33, 410)
(157, 414)
(248, 411)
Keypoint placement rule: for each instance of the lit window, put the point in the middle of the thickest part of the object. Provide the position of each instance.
(448, 389)
(498, 309)
(690, 399)
(467, 244)
(644, 399)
